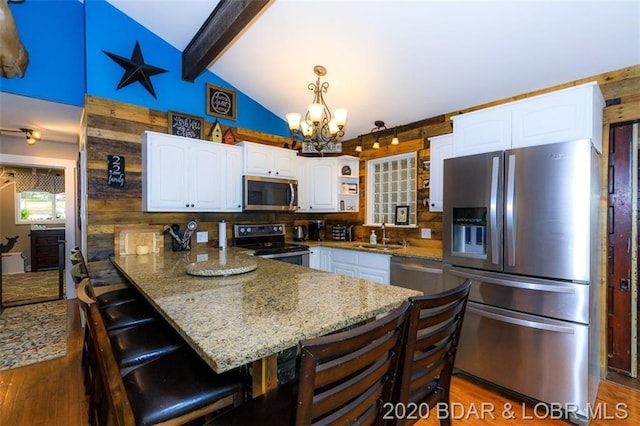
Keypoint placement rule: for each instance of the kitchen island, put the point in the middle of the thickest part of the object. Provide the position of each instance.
(250, 317)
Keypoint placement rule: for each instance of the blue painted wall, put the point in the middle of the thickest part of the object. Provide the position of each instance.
(53, 35)
(66, 41)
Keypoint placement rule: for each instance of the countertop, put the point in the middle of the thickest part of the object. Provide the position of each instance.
(231, 321)
(390, 249)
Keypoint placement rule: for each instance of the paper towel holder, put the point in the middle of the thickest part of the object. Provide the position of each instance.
(222, 235)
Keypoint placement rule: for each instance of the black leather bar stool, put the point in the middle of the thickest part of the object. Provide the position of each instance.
(127, 315)
(140, 344)
(118, 297)
(180, 387)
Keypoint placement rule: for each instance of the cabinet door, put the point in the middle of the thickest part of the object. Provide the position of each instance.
(285, 163)
(441, 149)
(326, 259)
(322, 185)
(206, 185)
(314, 257)
(556, 117)
(375, 275)
(482, 131)
(233, 179)
(165, 175)
(258, 160)
(344, 269)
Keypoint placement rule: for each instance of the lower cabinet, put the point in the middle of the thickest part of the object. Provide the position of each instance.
(44, 249)
(320, 258)
(358, 264)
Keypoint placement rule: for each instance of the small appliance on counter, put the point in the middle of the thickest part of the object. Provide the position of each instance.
(299, 233)
(342, 232)
(315, 230)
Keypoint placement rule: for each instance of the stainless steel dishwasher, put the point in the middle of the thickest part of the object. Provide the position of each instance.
(417, 274)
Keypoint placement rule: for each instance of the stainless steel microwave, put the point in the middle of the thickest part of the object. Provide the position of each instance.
(264, 193)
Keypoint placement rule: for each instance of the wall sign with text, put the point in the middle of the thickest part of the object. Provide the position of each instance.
(185, 125)
(221, 102)
(115, 170)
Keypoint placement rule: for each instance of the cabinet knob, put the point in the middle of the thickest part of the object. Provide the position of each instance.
(239, 206)
(186, 205)
(269, 171)
(192, 205)
(277, 173)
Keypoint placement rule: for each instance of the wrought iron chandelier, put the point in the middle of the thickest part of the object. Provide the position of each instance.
(320, 127)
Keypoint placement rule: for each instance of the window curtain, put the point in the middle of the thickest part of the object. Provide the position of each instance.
(45, 182)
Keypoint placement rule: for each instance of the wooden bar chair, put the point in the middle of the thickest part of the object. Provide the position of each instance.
(343, 378)
(432, 338)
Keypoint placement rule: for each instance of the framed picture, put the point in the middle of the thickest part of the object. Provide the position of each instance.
(221, 102)
(402, 215)
(189, 126)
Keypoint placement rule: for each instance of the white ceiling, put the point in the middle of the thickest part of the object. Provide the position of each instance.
(402, 61)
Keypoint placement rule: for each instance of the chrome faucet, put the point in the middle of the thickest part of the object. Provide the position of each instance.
(385, 240)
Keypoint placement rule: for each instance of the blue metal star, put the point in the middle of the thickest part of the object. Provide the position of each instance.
(136, 70)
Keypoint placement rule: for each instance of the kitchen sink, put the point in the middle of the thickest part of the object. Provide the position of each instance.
(378, 247)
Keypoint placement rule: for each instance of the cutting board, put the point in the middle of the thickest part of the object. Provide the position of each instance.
(128, 238)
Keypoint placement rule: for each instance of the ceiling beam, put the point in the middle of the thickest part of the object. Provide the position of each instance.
(226, 21)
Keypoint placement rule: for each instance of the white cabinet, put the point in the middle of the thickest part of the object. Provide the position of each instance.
(322, 186)
(317, 185)
(265, 160)
(233, 179)
(480, 131)
(183, 174)
(567, 114)
(368, 266)
(441, 148)
(564, 115)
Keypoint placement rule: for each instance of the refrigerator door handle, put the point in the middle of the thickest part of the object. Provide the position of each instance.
(493, 211)
(529, 285)
(521, 322)
(510, 237)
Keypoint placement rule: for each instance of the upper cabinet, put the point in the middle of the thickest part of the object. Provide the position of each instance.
(328, 184)
(441, 148)
(183, 174)
(563, 115)
(569, 114)
(482, 131)
(265, 160)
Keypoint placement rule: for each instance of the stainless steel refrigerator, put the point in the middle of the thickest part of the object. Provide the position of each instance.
(523, 225)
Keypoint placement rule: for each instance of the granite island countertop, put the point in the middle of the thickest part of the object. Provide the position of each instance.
(234, 320)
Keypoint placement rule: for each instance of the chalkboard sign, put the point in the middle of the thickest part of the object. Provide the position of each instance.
(186, 125)
(115, 170)
(221, 102)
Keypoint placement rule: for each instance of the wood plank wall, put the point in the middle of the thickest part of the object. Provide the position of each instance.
(115, 128)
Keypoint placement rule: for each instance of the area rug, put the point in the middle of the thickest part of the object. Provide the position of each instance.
(29, 285)
(33, 333)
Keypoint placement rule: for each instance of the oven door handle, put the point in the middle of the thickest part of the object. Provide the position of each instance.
(288, 254)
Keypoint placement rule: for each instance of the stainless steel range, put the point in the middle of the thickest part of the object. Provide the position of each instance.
(268, 241)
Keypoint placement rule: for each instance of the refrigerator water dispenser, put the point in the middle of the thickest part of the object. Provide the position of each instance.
(469, 231)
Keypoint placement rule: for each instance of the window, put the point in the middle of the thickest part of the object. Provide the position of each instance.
(391, 182)
(39, 206)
